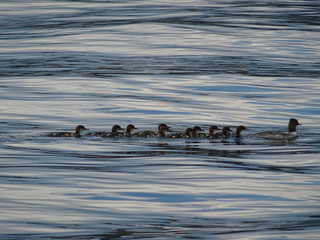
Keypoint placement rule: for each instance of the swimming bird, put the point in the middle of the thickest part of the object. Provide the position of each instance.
(225, 133)
(187, 134)
(114, 132)
(278, 135)
(151, 133)
(239, 130)
(114, 129)
(212, 132)
(195, 131)
(77, 132)
(128, 131)
(162, 131)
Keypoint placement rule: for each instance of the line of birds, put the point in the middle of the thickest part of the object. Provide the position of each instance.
(195, 132)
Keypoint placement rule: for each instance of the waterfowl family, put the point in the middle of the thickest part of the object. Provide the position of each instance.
(189, 132)
(77, 132)
(278, 135)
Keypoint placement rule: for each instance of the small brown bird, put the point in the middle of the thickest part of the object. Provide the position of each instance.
(150, 133)
(77, 132)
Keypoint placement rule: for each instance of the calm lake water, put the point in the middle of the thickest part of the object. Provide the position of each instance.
(185, 63)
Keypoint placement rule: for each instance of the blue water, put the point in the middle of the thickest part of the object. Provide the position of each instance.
(100, 63)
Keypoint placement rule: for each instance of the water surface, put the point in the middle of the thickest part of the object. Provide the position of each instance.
(96, 63)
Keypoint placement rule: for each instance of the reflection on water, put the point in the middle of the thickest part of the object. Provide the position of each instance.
(227, 63)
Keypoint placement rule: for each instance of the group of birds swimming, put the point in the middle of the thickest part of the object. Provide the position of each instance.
(164, 131)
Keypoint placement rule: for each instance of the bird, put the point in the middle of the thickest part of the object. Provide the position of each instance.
(225, 133)
(128, 131)
(114, 129)
(239, 130)
(187, 134)
(212, 131)
(162, 131)
(150, 133)
(195, 131)
(114, 132)
(77, 132)
(278, 135)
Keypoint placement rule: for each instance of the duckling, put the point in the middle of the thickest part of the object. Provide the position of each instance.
(187, 134)
(162, 131)
(114, 129)
(114, 132)
(150, 133)
(225, 133)
(195, 131)
(212, 131)
(239, 130)
(129, 130)
(77, 132)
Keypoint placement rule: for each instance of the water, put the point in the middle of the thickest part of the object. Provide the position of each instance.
(100, 63)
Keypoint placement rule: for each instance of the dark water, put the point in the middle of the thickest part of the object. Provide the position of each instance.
(100, 63)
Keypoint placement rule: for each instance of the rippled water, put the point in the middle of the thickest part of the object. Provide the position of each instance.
(100, 63)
